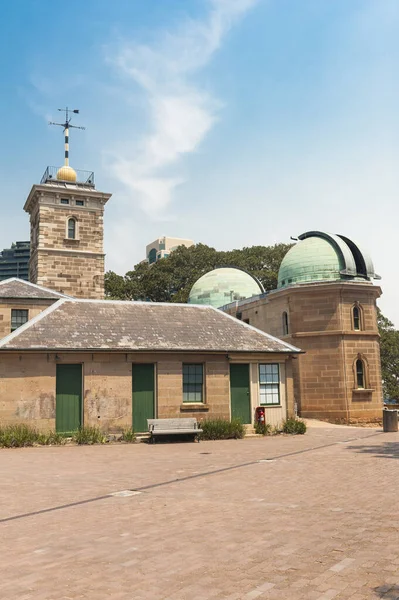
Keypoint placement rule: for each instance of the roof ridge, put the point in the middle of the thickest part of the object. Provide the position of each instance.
(11, 336)
(145, 302)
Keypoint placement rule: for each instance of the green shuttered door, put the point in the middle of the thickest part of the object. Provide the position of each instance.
(143, 395)
(239, 389)
(68, 406)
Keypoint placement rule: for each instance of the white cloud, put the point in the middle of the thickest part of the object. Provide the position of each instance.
(180, 113)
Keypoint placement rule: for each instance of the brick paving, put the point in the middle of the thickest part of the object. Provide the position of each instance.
(310, 517)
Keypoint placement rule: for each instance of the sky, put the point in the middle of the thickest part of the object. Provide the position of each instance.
(230, 122)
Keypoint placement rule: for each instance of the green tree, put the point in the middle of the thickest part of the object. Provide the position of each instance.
(389, 344)
(171, 279)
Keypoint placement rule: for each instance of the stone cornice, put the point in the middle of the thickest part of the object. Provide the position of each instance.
(64, 251)
(335, 332)
(47, 189)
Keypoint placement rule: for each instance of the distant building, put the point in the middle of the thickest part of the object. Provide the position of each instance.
(14, 261)
(162, 247)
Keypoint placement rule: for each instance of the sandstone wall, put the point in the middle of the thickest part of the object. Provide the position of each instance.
(320, 321)
(28, 387)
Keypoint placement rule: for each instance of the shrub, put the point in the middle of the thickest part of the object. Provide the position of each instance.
(263, 428)
(221, 429)
(53, 439)
(22, 436)
(88, 435)
(295, 426)
(128, 436)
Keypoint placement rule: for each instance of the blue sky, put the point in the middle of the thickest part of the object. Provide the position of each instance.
(231, 122)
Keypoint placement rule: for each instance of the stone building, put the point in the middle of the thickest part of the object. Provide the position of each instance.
(14, 261)
(116, 364)
(325, 303)
(163, 247)
(66, 233)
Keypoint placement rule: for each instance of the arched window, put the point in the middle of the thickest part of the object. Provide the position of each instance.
(360, 378)
(152, 256)
(71, 229)
(285, 323)
(357, 320)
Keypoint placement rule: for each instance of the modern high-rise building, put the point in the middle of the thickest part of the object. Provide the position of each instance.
(163, 246)
(14, 261)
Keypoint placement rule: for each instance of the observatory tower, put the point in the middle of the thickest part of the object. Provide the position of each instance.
(66, 229)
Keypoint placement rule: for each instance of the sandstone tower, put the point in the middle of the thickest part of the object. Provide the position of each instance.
(66, 230)
(325, 304)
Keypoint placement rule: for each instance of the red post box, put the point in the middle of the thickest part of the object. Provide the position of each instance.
(260, 414)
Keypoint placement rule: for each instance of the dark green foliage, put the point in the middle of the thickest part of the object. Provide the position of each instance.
(295, 426)
(263, 428)
(221, 429)
(88, 435)
(389, 345)
(22, 436)
(128, 436)
(171, 279)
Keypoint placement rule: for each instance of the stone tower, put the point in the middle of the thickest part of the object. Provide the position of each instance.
(325, 304)
(66, 233)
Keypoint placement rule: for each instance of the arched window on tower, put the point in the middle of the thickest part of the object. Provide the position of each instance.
(71, 229)
(360, 374)
(285, 323)
(357, 318)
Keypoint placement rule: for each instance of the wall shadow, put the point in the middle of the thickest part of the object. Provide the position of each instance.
(385, 450)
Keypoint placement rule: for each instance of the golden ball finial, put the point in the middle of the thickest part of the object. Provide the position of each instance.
(66, 173)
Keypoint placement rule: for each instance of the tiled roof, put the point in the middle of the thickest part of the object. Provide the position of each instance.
(18, 288)
(132, 326)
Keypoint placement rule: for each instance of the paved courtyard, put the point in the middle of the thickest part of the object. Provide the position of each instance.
(311, 517)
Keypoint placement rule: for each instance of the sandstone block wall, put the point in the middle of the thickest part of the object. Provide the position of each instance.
(71, 273)
(321, 323)
(70, 266)
(28, 387)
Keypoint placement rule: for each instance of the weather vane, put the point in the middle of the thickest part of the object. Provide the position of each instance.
(67, 125)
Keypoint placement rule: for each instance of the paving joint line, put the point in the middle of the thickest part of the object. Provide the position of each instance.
(181, 479)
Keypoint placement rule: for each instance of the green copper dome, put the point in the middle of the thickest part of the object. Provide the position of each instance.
(320, 256)
(222, 286)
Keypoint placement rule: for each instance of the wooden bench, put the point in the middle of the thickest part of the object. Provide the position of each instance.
(173, 427)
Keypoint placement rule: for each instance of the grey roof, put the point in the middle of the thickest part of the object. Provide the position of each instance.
(133, 326)
(18, 288)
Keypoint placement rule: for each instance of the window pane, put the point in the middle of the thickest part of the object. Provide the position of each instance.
(356, 318)
(269, 373)
(71, 229)
(360, 373)
(269, 384)
(192, 382)
(18, 318)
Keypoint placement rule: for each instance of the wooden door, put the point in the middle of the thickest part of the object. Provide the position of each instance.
(68, 404)
(143, 391)
(239, 392)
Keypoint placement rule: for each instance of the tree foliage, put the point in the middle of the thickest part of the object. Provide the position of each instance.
(171, 279)
(389, 344)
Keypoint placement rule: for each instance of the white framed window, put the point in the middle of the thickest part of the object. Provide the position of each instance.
(269, 385)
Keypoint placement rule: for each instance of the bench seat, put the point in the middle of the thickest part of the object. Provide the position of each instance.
(182, 426)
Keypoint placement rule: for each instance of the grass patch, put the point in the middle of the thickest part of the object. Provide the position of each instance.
(263, 428)
(128, 436)
(294, 426)
(88, 435)
(23, 436)
(221, 429)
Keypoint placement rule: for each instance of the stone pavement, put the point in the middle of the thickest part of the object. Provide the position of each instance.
(306, 517)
